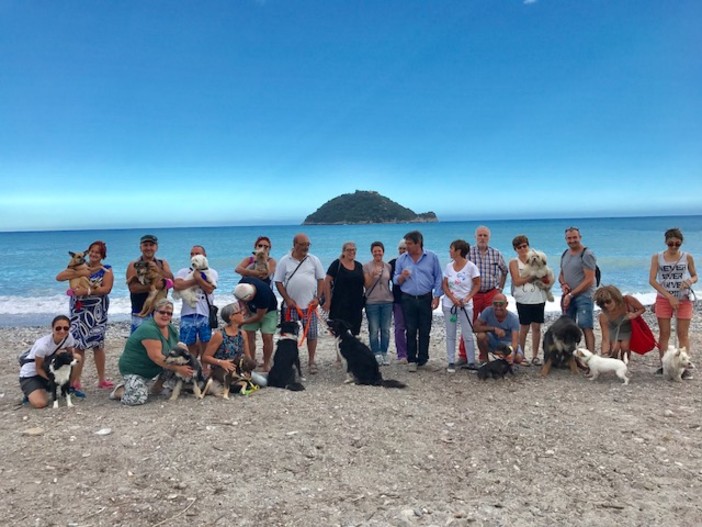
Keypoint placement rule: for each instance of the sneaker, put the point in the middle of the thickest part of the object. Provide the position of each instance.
(113, 393)
(76, 391)
(378, 358)
(469, 366)
(461, 361)
(386, 361)
(25, 400)
(402, 360)
(412, 366)
(659, 371)
(451, 368)
(687, 375)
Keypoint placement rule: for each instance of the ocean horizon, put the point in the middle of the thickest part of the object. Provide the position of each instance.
(30, 295)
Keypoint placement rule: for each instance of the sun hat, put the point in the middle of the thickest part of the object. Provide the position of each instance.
(244, 292)
(149, 238)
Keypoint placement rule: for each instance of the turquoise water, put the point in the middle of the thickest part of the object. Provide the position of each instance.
(30, 295)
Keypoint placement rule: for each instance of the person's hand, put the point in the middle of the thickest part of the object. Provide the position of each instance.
(566, 300)
(184, 371)
(674, 302)
(435, 302)
(314, 303)
(226, 365)
(406, 273)
(499, 332)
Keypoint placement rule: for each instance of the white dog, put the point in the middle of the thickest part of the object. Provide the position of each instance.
(675, 362)
(599, 364)
(198, 264)
(537, 267)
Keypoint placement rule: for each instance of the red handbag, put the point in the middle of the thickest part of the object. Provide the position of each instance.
(642, 340)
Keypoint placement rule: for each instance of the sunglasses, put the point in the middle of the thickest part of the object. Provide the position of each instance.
(61, 328)
(263, 246)
(165, 313)
(572, 229)
(673, 244)
(604, 302)
(499, 304)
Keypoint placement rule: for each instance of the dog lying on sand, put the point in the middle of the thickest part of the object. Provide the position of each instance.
(361, 364)
(598, 365)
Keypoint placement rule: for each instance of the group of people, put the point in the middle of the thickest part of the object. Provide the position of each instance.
(408, 288)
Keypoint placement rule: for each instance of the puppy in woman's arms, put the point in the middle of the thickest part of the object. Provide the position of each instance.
(537, 268)
(599, 365)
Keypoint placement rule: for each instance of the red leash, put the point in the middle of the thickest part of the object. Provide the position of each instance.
(306, 321)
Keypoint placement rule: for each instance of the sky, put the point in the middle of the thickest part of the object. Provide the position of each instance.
(243, 112)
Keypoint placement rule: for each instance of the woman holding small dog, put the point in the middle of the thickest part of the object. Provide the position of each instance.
(144, 358)
(531, 300)
(672, 274)
(88, 308)
(34, 379)
(228, 344)
(617, 312)
(247, 267)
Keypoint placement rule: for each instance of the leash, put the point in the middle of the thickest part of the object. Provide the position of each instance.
(306, 320)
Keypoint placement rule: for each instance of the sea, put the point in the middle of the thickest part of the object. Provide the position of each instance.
(31, 296)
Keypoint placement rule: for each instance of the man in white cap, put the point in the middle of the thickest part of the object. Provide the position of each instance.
(263, 315)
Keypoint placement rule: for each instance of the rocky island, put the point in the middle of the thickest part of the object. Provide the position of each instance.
(365, 206)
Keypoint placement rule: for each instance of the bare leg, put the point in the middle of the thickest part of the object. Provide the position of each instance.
(535, 339)
(311, 350)
(589, 339)
(683, 331)
(267, 350)
(39, 399)
(251, 338)
(523, 332)
(664, 336)
(78, 369)
(99, 357)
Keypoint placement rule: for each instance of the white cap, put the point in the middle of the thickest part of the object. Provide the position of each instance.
(244, 292)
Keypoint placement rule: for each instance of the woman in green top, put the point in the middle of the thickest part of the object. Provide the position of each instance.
(144, 353)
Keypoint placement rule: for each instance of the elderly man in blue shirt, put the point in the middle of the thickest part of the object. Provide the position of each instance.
(418, 274)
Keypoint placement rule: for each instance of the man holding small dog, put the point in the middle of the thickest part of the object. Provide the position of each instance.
(299, 278)
(138, 293)
(578, 282)
(195, 329)
(496, 327)
(262, 315)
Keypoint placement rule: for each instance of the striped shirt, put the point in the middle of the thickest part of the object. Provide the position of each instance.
(493, 269)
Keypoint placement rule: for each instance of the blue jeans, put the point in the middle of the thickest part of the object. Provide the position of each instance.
(580, 310)
(418, 315)
(379, 319)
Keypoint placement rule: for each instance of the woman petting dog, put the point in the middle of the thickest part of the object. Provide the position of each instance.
(228, 344)
(144, 356)
(672, 274)
(88, 308)
(34, 379)
(617, 312)
(531, 300)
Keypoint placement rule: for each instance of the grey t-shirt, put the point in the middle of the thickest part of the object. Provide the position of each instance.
(573, 267)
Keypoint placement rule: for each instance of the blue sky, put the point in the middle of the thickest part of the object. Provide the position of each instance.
(160, 113)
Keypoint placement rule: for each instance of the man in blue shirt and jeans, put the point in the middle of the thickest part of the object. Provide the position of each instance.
(418, 274)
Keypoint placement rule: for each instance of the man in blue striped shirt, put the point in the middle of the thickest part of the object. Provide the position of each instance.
(418, 274)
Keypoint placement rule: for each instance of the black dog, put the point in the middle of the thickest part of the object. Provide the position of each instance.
(560, 343)
(182, 357)
(360, 361)
(286, 358)
(59, 372)
(496, 368)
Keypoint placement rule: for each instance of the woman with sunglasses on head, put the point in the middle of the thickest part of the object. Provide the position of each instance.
(34, 379)
(247, 267)
(89, 310)
(617, 312)
(672, 274)
(144, 354)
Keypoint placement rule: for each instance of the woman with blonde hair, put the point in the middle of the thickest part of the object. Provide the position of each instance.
(617, 312)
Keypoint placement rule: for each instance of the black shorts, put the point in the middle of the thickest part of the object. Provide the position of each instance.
(530, 313)
(32, 384)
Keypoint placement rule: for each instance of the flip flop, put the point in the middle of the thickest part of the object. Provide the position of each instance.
(536, 361)
(525, 363)
(313, 368)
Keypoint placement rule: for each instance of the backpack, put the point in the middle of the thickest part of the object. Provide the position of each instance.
(598, 273)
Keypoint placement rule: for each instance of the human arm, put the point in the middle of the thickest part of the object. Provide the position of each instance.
(154, 350)
(71, 274)
(258, 315)
(212, 346)
(326, 292)
(516, 276)
(604, 330)
(289, 302)
(503, 272)
(653, 282)
(244, 270)
(693, 273)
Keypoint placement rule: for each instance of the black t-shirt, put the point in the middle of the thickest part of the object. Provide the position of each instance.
(264, 297)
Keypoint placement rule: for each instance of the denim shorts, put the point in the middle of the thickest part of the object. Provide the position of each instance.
(194, 326)
(580, 309)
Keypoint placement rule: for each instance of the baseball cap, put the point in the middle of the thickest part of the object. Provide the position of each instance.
(149, 238)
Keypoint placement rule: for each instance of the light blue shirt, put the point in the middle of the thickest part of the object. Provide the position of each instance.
(426, 274)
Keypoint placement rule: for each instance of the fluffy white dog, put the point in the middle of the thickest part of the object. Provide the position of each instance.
(675, 362)
(537, 267)
(198, 264)
(599, 364)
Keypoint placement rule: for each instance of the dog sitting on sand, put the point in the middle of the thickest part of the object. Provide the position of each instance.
(182, 357)
(675, 362)
(286, 359)
(237, 380)
(598, 365)
(59, 372)
(560, 342)
(536, 267)
(198, 264)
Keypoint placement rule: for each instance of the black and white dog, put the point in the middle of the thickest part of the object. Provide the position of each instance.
(60, 368)
(286, 359)
(560, 342)
(361, 364)
(182, 357)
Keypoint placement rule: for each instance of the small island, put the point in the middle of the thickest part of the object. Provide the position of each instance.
(362, 207)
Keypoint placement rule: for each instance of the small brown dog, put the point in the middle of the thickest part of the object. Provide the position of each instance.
(147, 273)
(260, 262)
(77, 263)
(239, 376)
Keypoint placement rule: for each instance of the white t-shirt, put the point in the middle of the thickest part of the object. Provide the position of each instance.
(460, 282)
(201, 306)
(44, 347)
(302, 288)
(527, 293)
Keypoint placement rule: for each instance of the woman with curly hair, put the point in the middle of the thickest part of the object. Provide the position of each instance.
(617, 312)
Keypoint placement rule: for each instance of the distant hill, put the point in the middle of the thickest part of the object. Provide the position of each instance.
(365, 206)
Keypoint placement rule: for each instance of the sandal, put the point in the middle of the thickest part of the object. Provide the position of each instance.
(313, 368)
(525, 363)
(536, 361)
(106, 385)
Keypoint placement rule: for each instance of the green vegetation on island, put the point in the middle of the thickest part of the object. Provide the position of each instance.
(365, 206)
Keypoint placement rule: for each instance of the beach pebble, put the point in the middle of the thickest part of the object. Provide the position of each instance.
(104, 432)
(36, 431)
